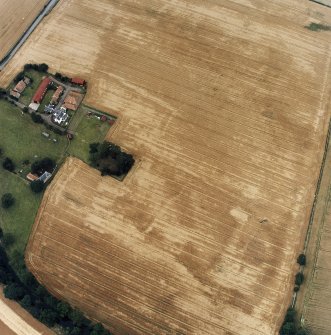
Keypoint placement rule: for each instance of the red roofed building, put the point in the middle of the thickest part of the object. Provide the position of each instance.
(78, 81)
(41, 91)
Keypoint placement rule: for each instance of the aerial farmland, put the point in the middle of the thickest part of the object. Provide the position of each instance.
(19, 14)
(225, 107)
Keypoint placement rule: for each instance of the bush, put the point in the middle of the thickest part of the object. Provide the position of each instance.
(14, 292)
(25, 109)
(36, 118)
(299, 278)
(19, 77)
(8, 164)
(7, 200)
(43, 67)
(46, 164)
(8, 239)
(37, 186)
(301, 260)
(318, 27)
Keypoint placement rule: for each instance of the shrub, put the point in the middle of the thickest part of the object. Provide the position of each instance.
(36, 118)
(8, 164)
(318, 27)
(37, 186)
(299, 278)
(301, 260)
(43, 67)
(46, 164)
(14, 291)
(8, 239)
(25, 109)
(7, 200)
(296, 288)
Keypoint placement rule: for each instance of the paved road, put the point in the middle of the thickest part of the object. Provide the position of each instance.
(51, 4)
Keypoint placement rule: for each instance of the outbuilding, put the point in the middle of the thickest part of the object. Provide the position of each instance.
(41, 91)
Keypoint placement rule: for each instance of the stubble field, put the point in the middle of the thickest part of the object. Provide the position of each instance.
(16, 17)
(224, 105)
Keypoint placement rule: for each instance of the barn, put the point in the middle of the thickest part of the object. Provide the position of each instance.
(41, 91)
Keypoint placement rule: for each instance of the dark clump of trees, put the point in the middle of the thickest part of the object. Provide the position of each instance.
(8, 164)
(33, 297)
(301, 260)
(3, 93)
(19, 77)
(37, 186)
(299, 278)
(7, 200)
(40, 166)
(61, 77)
(36, 118)
(110, 159)
(37, 67)
(289, 326)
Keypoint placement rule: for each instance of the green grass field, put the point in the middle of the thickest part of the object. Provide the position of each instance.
(28, 93)
(88, 129)
(21, 139)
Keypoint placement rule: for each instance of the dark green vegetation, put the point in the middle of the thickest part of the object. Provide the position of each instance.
(88, 129)
(21, 286)
(7, 200)
(318, 27)
(289, 326)
(110, 159)
(301, 260)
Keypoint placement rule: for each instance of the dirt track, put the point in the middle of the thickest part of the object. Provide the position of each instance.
(225, 108)
(15, 17)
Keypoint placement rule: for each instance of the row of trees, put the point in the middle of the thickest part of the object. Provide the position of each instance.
(289, 326)
(24, 288)
(110, 159)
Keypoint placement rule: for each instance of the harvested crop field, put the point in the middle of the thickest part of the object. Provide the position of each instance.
(225, 107)
(16, 16)
(314, 297)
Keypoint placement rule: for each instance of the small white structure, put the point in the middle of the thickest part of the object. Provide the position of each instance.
(45, 176)
(60, 115)
(34, 106)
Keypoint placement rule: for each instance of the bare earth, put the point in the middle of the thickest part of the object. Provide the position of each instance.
(14, 320)
(15, 17)
(224, 105)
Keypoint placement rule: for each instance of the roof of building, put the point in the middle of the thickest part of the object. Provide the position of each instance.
(14, 94)
(45, 176)
(34, 106)
(27, 80)
(78, 81)
(57, 93)
(20, 86)
(31, 177)
(38, 96)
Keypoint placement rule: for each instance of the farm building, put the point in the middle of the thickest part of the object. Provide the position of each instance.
(56, 95)
(26, 80)
(78, 81)
(41, 91)
(30, 176)
(14, 94)
(45, 176)
(72, 101)
(34, 106)
(20, 86)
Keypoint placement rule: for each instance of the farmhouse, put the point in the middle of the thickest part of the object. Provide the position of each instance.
(56, 95)
(20, 86)
(60, 115)
(72, 101)
(41, 91)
